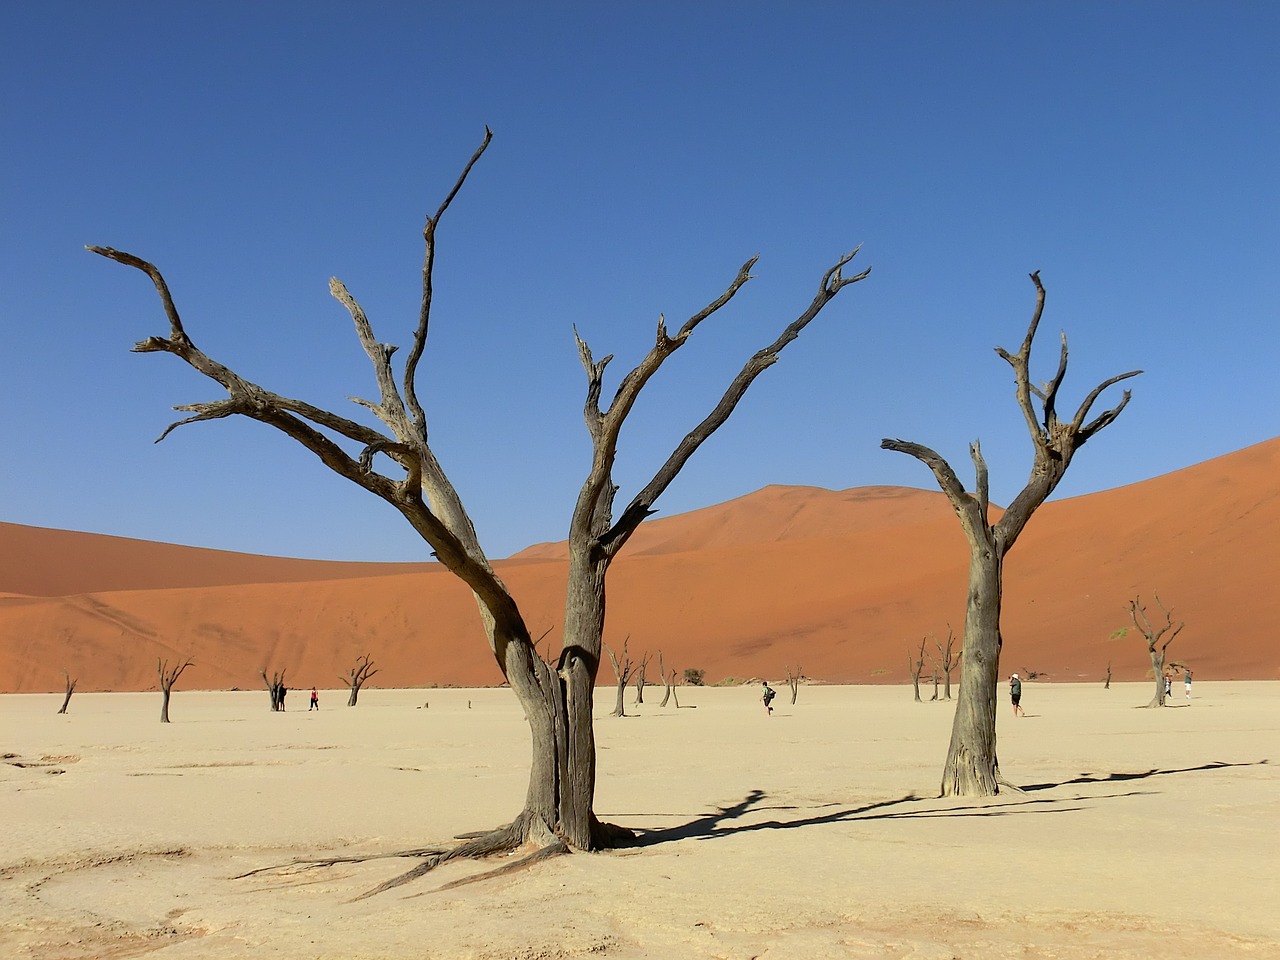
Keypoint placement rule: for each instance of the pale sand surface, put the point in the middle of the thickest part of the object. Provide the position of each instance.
(813, 833)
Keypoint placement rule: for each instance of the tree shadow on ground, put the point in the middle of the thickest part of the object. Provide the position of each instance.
(1143, 775)
(727, 821)
(724, 821)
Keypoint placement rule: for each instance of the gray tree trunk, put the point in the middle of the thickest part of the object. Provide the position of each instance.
(971, 768)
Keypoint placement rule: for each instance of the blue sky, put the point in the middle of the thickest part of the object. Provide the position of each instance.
(641, 153)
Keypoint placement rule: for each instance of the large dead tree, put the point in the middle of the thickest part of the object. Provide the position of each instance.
(556, 696)
(275, 688)
(971, 767)
(71, 688)
(1154, 633)
(168, 677)
(357, 676)
(622, 672)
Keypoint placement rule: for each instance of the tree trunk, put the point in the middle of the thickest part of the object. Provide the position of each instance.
(164, 704)
(971, 769)
(71, 687)
(1157, 667)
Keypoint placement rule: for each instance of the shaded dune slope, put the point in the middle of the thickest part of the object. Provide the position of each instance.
(842, 583)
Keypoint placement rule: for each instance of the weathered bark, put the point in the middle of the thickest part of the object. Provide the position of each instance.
(1153, 634)
(71, 687)
(971, 768)
(556, 697)
(168, 676)
(915, 664)
(622, 671)
(356, 678)
(275, 689)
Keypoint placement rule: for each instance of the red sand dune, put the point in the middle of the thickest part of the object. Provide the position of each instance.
(842, 583)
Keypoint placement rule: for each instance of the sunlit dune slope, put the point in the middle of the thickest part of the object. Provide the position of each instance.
(843, 584)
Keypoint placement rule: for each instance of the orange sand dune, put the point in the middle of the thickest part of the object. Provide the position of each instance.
(841, 583)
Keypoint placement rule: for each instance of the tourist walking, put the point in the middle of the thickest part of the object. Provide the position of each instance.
(1015, 694)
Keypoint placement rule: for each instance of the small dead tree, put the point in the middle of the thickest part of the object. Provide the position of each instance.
(361, 672)
(1107, 684)
(793, 681)
(947, 659)
(71, 687)
(915, 664)
(1154, 633)
(168, 677)
(971, 767)
(557, 698)
(275, 688)
(623, 672)
(668, 681)
(640, 668)
(937, 679)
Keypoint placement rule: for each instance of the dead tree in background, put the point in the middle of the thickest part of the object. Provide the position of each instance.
(1107, 685)
(640, 668)
(167, 679)
(947, 659)
(971, 768)
(1153, 634)
(71, 687)
(668, 682)
(937, 679)
(275, 687)
(623, 673)
(556, 697)
(793, 681)
(915, 664)
(361, 672)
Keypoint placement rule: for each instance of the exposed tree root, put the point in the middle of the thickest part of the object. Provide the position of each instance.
(544, 853)
(502, 840)
(526, 828)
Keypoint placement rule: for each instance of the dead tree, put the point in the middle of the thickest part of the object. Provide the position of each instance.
(556, 697)
(275, 687)
(71, 687)
(168, 676)
(355, 679)
(669, 682)
(640, 669)
(937, 679)
(793, 681)
(1153, 634)
(623, 673)
(947, 659)
(971, 768)
(1107, 684)
(915, 664)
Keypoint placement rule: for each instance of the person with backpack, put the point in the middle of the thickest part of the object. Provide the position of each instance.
(768, 696)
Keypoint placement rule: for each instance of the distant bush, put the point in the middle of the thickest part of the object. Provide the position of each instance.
(695, 677)
(730, 682)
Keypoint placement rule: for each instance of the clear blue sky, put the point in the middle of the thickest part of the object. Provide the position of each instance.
(642, 151)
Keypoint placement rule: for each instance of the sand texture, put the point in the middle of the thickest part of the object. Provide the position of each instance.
(813, 833)
(840, 583)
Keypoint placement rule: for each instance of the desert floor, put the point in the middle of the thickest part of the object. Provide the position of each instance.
(813, 833)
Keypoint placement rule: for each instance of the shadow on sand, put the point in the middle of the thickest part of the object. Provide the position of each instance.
(727, 821)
